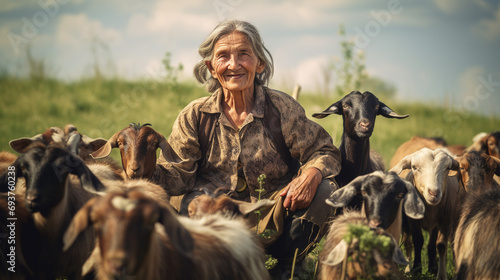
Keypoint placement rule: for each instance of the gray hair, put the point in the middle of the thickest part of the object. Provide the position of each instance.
(206, 51)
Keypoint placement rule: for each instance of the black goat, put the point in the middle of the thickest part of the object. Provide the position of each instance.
(54, 194)
(384, 195)
(358, 111)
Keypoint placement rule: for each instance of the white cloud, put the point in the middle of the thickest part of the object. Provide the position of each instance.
(77, 29)
(171, 16)
(489, 28)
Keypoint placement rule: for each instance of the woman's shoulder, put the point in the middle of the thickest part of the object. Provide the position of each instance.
(282, 100)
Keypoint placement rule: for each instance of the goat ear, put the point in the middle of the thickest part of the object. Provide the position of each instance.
(180, 238)
(93, 144)
(387, 112)
(454, 164)
(105, 150)
(337, 255)
(404, 163)
(79, 223)
(248, 207)
(398, 256)
(89, 181)
(413, 205)
(335, 108)
(168, 153)
(19, 145)
(342, 196)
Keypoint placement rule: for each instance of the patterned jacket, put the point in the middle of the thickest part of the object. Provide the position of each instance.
(249, 148)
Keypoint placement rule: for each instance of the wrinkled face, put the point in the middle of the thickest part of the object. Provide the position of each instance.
(430, 169)
(359, 112)
(124, 226)
(138, 151)
(382, 199)
(234, 63)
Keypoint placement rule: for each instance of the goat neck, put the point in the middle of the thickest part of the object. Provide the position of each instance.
(355, 154)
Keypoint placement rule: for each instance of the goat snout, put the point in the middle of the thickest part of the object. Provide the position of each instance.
(375, 222)
(116, 264)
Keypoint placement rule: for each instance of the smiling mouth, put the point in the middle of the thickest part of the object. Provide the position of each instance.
(235, 76)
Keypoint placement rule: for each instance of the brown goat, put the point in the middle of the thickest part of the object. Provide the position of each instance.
(488, 144)
(138, 145)
(477, 170)
(340, 260)
(140, 238)
(206, 204)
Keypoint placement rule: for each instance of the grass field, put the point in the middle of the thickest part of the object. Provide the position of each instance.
(101, 108)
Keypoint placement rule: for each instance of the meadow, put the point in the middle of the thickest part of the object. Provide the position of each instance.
(99, 108)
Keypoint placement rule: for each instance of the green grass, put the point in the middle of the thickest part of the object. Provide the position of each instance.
(101, 108)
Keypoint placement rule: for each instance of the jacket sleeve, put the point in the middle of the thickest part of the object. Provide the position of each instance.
(176, 169)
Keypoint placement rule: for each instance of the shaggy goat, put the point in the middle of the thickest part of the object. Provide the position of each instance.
(358, 111)
(384, 195)
(476, 239)
(54, 180)
(442, 194)
(138, 145)
(340, 260)
(141, 238)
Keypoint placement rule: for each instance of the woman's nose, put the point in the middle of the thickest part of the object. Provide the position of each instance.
(233, 62)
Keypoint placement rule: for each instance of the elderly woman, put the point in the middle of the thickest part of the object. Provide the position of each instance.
(244, 129)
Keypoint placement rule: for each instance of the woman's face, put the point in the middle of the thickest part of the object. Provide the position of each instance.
(234, 63)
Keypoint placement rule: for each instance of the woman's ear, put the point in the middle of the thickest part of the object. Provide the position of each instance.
(261, 66)
(208, 63)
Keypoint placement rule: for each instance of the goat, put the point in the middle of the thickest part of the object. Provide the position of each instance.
(341, 259)
(442, 193)
(6, 160)
(477, 170)
(358, 113)
(141, 238)
(416, 143)
(138, 145)
(384, 195)
(206, 204)
(77, 143)
(21, 245)
(476, 239)
(54, 179)
(488, 144)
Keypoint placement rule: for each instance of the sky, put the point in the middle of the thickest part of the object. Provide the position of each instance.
(442, 51)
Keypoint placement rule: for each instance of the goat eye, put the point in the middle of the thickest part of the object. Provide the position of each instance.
(364, 193)
(400, 195)
(346, 107)
(376, 107)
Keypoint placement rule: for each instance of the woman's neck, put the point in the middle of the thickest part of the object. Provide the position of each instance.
(237, 105)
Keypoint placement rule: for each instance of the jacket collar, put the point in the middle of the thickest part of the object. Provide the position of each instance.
(213, 104)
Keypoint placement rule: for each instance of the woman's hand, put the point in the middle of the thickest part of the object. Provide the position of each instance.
(300, 191)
